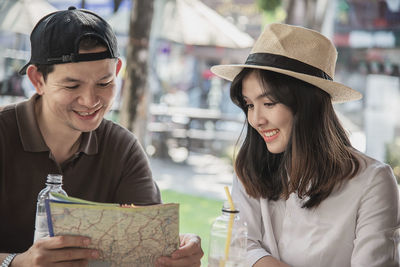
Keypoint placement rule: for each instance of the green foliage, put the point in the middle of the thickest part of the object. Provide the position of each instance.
(196, 215)
(393, 157)
(343, 6)
(269, 5)
(278, 15)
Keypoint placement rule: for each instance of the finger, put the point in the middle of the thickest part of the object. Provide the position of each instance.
(73, 254)
(191, 261)
(63, 242)
(192, 246)
(184, 238)
(77, 263)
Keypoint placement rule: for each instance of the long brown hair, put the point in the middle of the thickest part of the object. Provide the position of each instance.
(318, 157)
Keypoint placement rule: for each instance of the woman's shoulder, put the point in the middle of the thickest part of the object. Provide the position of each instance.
(369, 164)
(373, 171)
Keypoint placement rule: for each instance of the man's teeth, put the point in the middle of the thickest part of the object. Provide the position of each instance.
(271, 133)
(85, 113)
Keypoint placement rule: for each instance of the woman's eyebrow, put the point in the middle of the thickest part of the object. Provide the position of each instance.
(267, 95)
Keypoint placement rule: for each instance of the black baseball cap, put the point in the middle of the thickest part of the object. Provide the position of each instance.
(56, 37)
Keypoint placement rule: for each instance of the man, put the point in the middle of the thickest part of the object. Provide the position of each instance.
(73, 67)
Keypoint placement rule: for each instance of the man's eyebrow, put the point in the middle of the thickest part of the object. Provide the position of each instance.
(73, 80)
(69, 80)
(106, 76)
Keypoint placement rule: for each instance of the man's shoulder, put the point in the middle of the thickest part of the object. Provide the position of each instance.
(7, 112)
(13, 108)
(114, 131)
(108, 125)
(6, 108)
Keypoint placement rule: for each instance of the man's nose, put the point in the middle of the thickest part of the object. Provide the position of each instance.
(89, 98)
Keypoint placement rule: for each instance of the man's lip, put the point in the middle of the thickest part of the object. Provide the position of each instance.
(87, 112)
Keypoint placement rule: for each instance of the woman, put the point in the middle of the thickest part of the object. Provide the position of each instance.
(309, 197)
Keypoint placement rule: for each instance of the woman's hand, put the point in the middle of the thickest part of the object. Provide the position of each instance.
(188, 254)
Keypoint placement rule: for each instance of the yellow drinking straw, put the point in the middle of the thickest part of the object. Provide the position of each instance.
(228, 238)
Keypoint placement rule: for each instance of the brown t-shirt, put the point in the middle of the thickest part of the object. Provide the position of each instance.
(110, 166)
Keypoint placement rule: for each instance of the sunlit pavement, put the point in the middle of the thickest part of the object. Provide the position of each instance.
(201, 175)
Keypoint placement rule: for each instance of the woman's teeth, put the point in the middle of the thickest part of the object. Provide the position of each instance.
(271, 133)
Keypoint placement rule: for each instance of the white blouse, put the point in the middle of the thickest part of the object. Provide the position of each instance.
(354, 226)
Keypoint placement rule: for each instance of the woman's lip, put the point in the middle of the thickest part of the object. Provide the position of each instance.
(270, 135)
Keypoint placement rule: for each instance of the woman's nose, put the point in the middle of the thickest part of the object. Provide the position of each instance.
(259, 117)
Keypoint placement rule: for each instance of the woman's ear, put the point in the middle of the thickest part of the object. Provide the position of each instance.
(36, 78)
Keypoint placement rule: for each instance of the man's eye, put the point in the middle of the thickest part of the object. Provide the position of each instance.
(104, 84)
(72, 87)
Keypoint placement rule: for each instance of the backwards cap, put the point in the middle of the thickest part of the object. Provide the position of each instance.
(56, 37)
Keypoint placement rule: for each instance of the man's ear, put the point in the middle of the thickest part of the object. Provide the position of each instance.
(36, 78)
(119, 65)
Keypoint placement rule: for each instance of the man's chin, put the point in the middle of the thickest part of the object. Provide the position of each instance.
(89, 127)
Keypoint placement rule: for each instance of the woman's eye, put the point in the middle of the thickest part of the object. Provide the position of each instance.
(249, 106)
(270, 104)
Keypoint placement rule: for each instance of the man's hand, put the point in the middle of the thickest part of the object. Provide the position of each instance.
(188, 254)
(57, 251)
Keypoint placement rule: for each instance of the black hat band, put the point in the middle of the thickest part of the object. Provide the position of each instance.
(282, 62)
(80, 57)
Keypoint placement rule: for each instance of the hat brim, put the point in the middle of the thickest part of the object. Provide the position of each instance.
(339, 92)
(22, 71)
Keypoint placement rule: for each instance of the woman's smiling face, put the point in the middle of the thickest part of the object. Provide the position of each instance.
(272, 120)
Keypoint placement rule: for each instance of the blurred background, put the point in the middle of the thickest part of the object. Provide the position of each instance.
(182, 113)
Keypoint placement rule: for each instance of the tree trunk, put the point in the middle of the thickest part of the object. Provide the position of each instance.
(320, 14)
(135, 92)
(290, 10)
(307, 13)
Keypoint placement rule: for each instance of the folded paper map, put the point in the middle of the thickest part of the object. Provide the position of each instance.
(125, 235)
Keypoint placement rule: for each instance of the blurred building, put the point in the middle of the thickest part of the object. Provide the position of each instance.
(367, 35)
(245, 14)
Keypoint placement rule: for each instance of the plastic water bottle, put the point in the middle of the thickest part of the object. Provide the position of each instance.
(228, 239)
(53, 184)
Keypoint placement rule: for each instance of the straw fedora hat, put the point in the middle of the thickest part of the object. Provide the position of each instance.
(298, 52)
